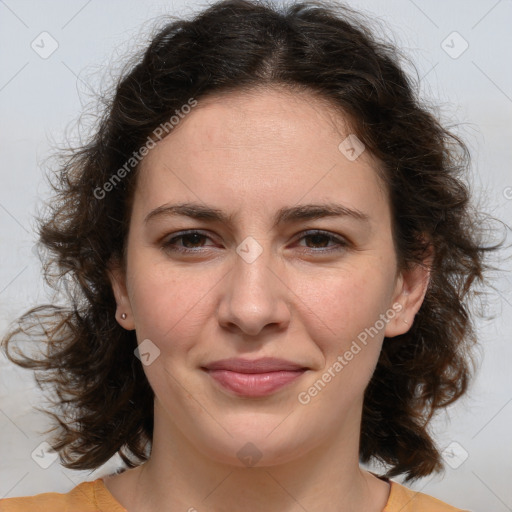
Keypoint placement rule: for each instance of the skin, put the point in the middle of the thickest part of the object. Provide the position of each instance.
(305, 299)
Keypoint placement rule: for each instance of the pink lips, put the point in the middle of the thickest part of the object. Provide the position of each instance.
(256, 378)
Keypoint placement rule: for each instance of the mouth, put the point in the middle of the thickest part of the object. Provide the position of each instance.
(254, 378)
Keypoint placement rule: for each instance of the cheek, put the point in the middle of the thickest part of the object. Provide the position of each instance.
(344, 329)
(170, 306)
(343, 312)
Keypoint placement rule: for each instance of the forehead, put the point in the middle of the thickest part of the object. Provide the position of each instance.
(272, 117)
(260, 145)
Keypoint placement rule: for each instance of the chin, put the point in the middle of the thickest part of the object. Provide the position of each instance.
(254, 444)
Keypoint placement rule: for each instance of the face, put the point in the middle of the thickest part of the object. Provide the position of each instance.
(253, 236)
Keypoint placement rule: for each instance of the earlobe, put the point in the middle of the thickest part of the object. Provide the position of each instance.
(124, 315)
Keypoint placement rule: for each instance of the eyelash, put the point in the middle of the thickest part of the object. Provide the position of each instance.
(170, 244)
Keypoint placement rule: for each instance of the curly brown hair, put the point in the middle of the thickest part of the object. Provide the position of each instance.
(104, 401)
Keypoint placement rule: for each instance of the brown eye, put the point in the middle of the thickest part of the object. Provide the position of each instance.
(317, 240)
(191, 241)
(321, 241)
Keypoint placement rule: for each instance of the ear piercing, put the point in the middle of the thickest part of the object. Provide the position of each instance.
(405, 321)
(123, 316)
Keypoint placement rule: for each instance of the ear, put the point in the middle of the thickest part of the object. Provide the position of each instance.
(411, 287)
(124, 314)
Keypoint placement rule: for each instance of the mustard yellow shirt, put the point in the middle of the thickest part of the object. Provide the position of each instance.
(95, 497)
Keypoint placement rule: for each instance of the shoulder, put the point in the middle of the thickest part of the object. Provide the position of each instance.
(404, 499)
(85, 497)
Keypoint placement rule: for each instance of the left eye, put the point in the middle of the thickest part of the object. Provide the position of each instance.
(320, 240)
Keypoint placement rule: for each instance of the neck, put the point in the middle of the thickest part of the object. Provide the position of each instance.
(179, 477)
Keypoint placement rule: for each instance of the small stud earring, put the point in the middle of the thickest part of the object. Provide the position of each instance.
(405, 321)
(123, 316)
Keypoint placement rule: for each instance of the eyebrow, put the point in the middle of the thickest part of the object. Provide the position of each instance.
(284, 215)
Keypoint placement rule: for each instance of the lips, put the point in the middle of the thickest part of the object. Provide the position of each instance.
(254, 378)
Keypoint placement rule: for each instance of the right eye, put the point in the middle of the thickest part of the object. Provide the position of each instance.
(186, 242)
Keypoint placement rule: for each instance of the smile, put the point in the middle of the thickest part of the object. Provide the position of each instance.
(254, 384)
(256, 378)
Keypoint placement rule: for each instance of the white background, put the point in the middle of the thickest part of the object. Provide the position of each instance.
(39, 98)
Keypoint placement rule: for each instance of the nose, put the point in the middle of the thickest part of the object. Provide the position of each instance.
(254, 297)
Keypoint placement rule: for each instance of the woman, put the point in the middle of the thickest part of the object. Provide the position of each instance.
(272, 252)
